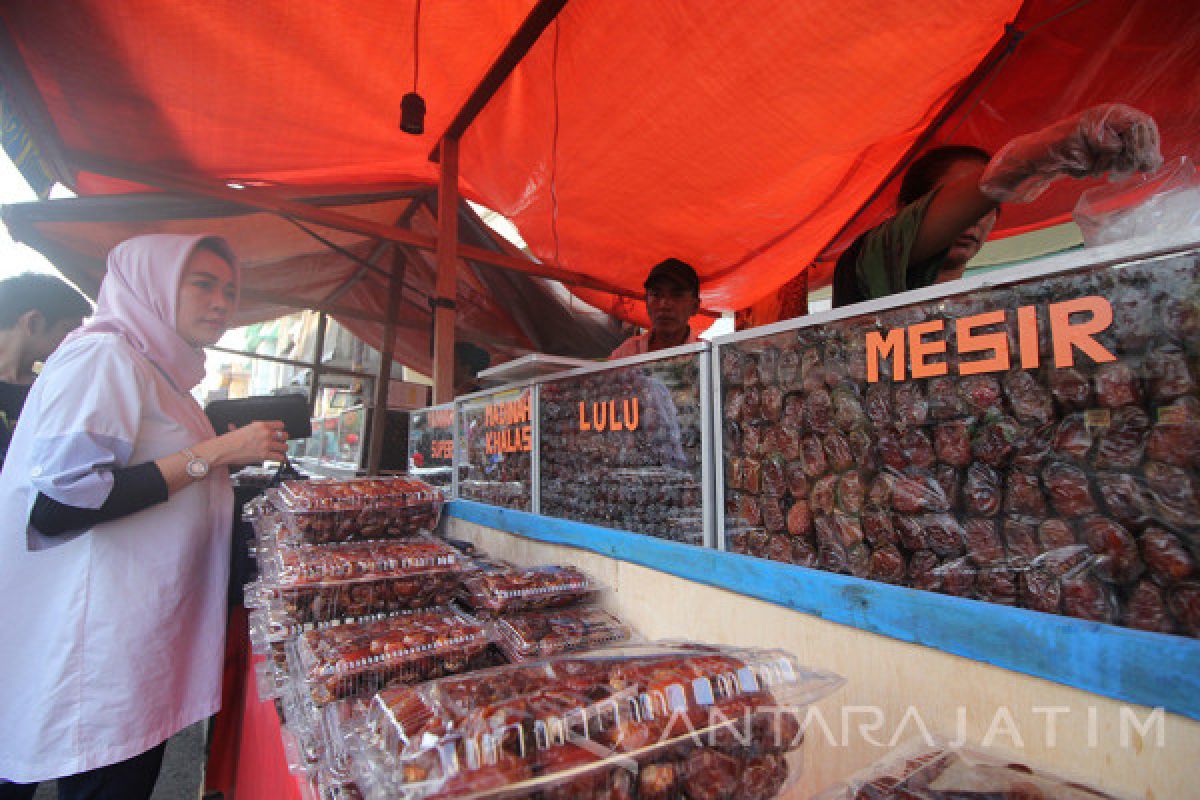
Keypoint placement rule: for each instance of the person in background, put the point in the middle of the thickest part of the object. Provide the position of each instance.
(950, 197)
(36, 312)
(115, 532)
(672, 298)
(469, 361)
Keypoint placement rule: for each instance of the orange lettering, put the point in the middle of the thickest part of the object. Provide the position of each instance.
(600, 416)
(631, 417)
(919, 349)
(614, 423)
(971, 342)
(1027, 337)
(526, 439)
(1067, 335)
(879, 348)
(583, 422)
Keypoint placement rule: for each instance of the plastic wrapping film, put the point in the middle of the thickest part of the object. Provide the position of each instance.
(503, 588)
(530, 635)
(321, 511)
(330, 786)
(622, 448)
(302, 585)
(345, 663)
(642, 721)
(1034, 444)
(360, 658)
(431, 445)
(495, 441)
(270, 636)
(919, 772)
(1165, 203)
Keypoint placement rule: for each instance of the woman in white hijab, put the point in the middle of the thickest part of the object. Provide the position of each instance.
(114, 536)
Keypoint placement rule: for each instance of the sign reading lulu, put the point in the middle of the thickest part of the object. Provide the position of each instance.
(441, 422)
(1068, 332)
(506, 426)
(614, 415)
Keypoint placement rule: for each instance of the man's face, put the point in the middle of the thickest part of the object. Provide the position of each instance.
(670, 307)
(964, 248)
(44, 339)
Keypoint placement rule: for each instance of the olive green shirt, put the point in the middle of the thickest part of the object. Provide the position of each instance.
(878, 263)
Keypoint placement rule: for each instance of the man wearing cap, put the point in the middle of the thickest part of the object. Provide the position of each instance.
(672, 298)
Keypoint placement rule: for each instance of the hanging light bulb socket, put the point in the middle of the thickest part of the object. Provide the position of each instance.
(412, 114)
(412, 105)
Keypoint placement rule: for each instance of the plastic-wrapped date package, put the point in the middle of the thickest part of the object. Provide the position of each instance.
(622, 447)
(1035, 443)
(321, 511)
(641, 721)
(505, 588)
(919, 772)
(495, 441)
(431, 445)
(529, 635)
(360, 658)
(320, 583)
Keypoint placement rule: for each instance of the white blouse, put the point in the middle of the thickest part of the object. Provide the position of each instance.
(111, 639)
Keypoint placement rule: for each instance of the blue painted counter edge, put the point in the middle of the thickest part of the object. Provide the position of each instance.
(1134, 666)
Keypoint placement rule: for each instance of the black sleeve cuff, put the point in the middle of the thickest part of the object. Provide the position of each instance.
(134, 489)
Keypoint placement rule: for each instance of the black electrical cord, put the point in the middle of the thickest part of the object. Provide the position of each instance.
(416, 43)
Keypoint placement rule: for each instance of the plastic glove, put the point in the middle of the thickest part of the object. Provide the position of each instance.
(1111, 138)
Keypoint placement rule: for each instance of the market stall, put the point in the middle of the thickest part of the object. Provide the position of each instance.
(1006, 530)
(981, 554)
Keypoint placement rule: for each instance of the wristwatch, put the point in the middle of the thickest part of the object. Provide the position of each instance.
(196, 467)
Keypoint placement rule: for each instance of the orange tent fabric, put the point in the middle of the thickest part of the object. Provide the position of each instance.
(739, 136)
(284, 268)
(1066, 56)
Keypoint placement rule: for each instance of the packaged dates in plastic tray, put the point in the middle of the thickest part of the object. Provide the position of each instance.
(527, 635)
(916, 772)
(1055, 469)
(361, 657)
(270, 637)
(505, 588)
(302, 585)
(641, 721)
(320, 511)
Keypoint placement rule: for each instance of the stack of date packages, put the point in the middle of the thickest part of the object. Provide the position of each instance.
(516, 614)
(679, 721)
(931, 769)
(1064, 488)
(354, 594)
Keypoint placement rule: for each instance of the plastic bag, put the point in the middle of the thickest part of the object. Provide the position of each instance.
(918, 772)
(1164, 203)
(1111, 138)
(661, 720)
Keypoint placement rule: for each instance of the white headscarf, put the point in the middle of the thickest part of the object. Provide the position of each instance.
(138, 300)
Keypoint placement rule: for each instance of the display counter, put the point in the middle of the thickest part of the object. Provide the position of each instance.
(978, 502)
(622, 444)
(1081, 699)
(495, 445)
(1031, 440)
(431, 433)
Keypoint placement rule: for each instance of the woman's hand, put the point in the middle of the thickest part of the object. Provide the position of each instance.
(255, 443)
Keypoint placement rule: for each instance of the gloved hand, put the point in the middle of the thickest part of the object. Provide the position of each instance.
(1110, 138)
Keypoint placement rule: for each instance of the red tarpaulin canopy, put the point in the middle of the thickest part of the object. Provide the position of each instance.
(743, 137)
(285, 268)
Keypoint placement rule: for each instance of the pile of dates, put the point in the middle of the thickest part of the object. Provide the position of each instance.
(608, 462)
(1064, 489)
